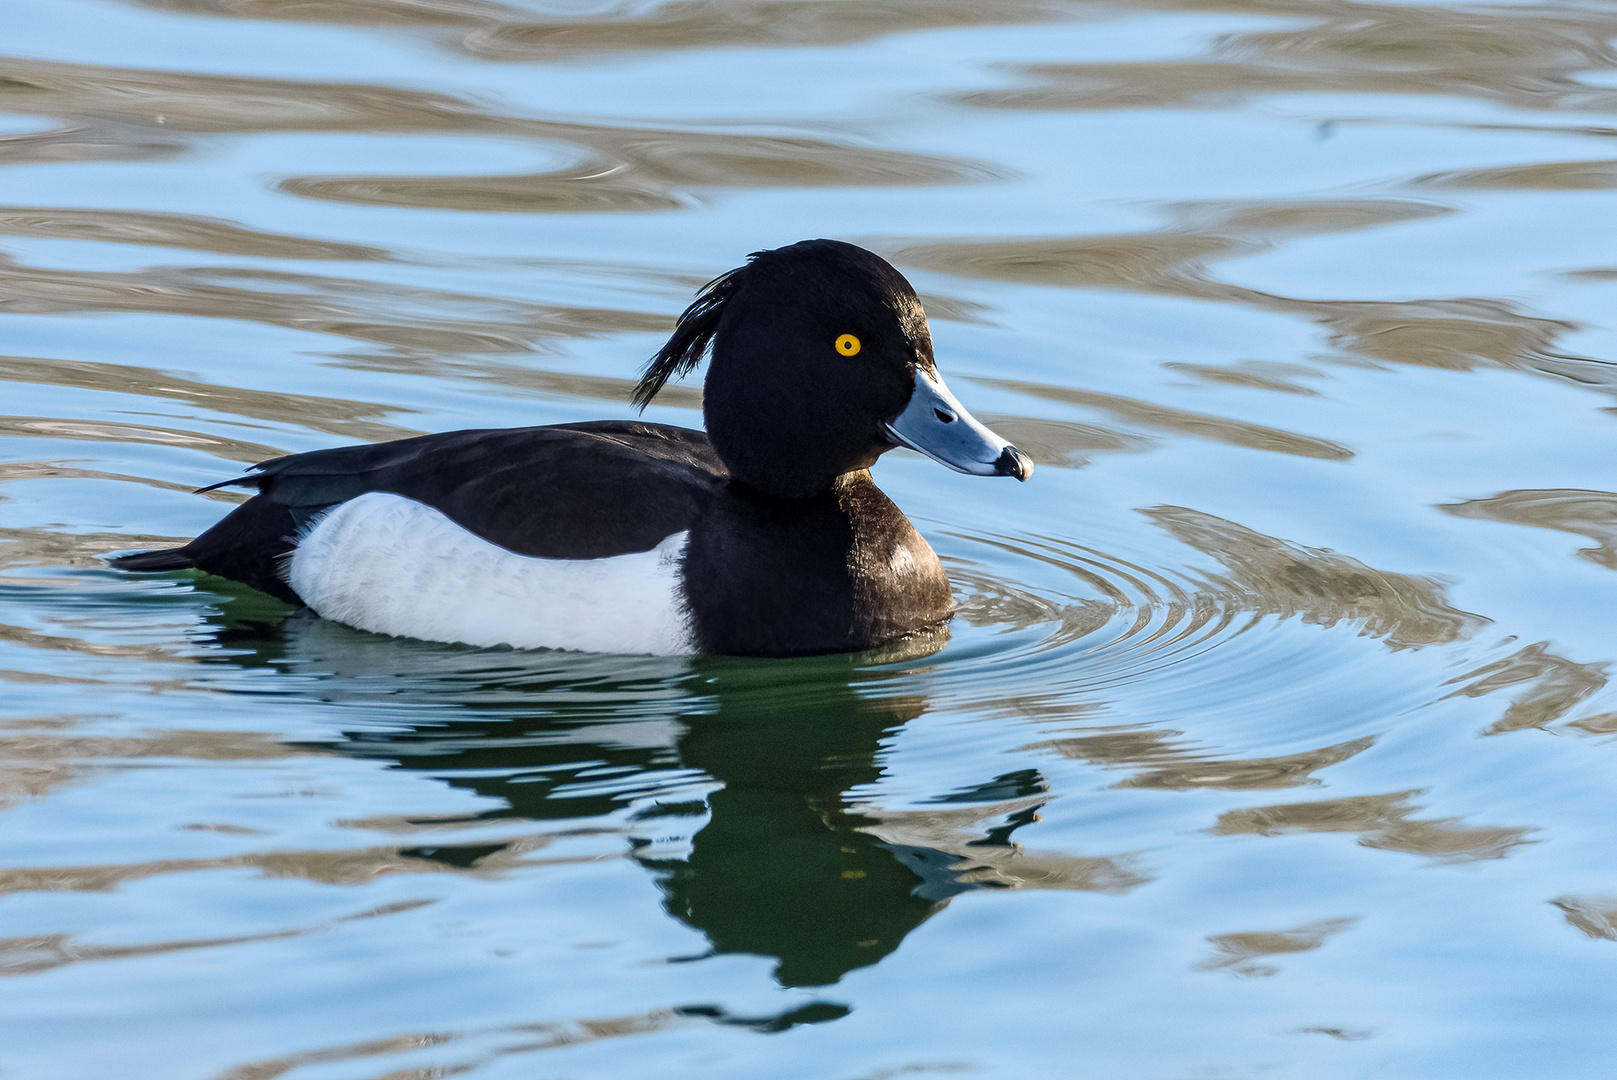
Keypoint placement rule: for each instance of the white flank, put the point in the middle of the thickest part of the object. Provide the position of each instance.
(392, 565)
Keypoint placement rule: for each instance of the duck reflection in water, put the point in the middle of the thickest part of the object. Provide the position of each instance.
(785, 865)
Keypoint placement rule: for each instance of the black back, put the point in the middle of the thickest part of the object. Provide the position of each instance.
(569, 491)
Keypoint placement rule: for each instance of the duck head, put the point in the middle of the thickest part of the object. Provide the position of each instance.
(821, 363)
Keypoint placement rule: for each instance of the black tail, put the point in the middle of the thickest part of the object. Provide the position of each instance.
(147, 562)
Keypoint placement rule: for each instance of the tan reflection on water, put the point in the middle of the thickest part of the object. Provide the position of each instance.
(186, 102)
(12, 675)
(432, 321)
(1197, 425)
(74, 640)
(1236, 952)
(55, 470)
(1118, 746)
(1554, 686)
(348, 419)
(190, 743)
(1541, 176)
(1583, 513)
(618, 168)
(694, 24)
(1595, 916)
(958, 832)
(499, 31)
(1318, 585)
(51, 427)
(411, 824)
(645, 170)
(989, 601)
(1258, 374)
(31, 955)
(187, 231)
(1520, 56)
(1145, 261)
(31, 765)
(1457, 334)
(1524, 56)
(330, 866)
(1247, 774)
(387, 13)
(510, 377)
(1381, 821)
(468, 1054)
(1062, 444)
(1173, 766)
(90, 140)
(48, 547)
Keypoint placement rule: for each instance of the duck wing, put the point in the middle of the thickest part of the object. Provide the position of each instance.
(568, 491)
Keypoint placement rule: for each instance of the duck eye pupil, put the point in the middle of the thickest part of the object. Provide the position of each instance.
(848, 345)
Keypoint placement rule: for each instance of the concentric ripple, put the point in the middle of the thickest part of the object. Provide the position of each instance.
(1122, 620)
(1124, 625)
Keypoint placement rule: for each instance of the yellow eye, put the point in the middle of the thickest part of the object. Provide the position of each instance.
(848, 345)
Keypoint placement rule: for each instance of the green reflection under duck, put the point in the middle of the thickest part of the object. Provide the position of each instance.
(742, 772)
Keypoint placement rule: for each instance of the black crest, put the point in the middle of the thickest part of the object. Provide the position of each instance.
(692, 336)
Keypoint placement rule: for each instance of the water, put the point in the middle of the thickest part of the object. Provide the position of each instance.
(1274, 737)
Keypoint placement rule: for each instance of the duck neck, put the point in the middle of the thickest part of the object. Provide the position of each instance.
(836, 490)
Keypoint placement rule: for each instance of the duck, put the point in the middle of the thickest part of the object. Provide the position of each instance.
(763, 536)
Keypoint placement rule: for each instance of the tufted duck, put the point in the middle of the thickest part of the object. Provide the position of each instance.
(763, 537)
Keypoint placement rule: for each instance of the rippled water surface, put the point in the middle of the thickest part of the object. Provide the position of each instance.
(1274, 736)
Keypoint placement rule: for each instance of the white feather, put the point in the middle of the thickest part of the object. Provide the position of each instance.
(392, 565)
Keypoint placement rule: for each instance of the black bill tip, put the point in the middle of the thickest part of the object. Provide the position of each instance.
(1012, 462)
